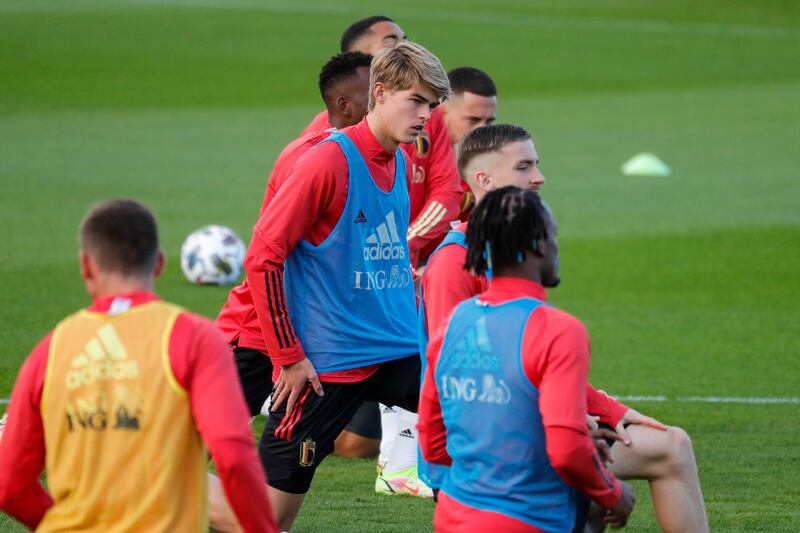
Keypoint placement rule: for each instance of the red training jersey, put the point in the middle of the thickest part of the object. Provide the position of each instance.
(445, 284)
(307, 205)
(218, 409)
(555, 359)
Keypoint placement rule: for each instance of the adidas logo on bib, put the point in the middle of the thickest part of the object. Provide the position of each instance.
(103, 358)
(384, 242)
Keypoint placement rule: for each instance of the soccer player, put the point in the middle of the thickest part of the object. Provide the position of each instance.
(344, 88)
(504, 396)
(502, 155)
(345, 314)
(119, 399)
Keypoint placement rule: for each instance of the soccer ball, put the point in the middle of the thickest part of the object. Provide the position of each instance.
(212, 255)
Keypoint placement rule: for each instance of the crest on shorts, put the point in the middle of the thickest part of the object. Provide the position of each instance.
(307, 449)
(423, 144)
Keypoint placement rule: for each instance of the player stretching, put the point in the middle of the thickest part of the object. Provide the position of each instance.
(504, 395)
(337, 228)
(344, 87)
(502, 155)
(118, 400)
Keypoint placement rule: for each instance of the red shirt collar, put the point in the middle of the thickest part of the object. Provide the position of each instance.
(502, 289)
(371, 148)
(121, 302)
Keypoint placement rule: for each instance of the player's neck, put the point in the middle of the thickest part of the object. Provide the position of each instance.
(111, 284)
(526, 270)
(338, 122)
(376, 126)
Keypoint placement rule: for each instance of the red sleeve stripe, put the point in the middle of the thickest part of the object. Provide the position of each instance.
(284, 429)
(277, 302)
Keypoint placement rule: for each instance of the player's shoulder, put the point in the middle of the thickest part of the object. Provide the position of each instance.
(561, 322)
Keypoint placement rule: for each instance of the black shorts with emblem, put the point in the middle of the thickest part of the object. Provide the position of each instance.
(293, 445)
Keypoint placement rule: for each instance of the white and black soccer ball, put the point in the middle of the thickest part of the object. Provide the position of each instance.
(212, 255)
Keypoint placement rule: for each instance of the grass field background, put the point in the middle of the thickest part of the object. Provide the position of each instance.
(689, 285)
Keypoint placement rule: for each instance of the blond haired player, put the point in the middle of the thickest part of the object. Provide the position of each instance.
(118, 401)
(328, 267)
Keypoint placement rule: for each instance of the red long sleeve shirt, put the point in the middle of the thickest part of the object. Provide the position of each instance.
(555, 358)
(435, 189)
(307, 205)
(202, 365)
(238, 319)
(445, 284)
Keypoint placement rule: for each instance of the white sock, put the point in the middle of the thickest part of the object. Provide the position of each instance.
(389, 418)
(404, 452)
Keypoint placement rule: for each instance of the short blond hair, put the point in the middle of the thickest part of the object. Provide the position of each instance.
(406, 66)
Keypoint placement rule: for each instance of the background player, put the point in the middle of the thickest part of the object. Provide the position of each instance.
(346, 318)
(504, 395)
(119, 399)
(502, 155)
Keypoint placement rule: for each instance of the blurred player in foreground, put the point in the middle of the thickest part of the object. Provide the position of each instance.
(119, 399)
(504, 395)
(503, 155)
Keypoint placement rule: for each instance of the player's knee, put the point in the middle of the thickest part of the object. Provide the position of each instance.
(355, 446)
(681, 454)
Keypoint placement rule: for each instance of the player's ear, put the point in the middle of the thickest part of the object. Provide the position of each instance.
(344, 107)
(87, 265)
(484, 181)
(379, 92)
(159, 264)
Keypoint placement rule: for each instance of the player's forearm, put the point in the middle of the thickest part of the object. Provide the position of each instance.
(265, 277)
(245, 485)
(606, 407)
(573, 456)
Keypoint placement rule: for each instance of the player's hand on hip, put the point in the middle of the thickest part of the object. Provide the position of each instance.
(618, 516)
(632, 416)
(292, 382)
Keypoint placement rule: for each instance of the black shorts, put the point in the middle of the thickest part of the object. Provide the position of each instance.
(255, 375)
(294, 444)
(366, 422)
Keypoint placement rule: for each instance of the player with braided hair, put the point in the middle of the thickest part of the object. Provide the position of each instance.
(504, 395)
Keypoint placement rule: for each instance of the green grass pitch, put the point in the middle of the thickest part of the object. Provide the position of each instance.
(689, 285)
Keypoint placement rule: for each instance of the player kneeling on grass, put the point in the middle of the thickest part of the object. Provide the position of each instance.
(118, 400)
(502, 155)
(504, 395)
